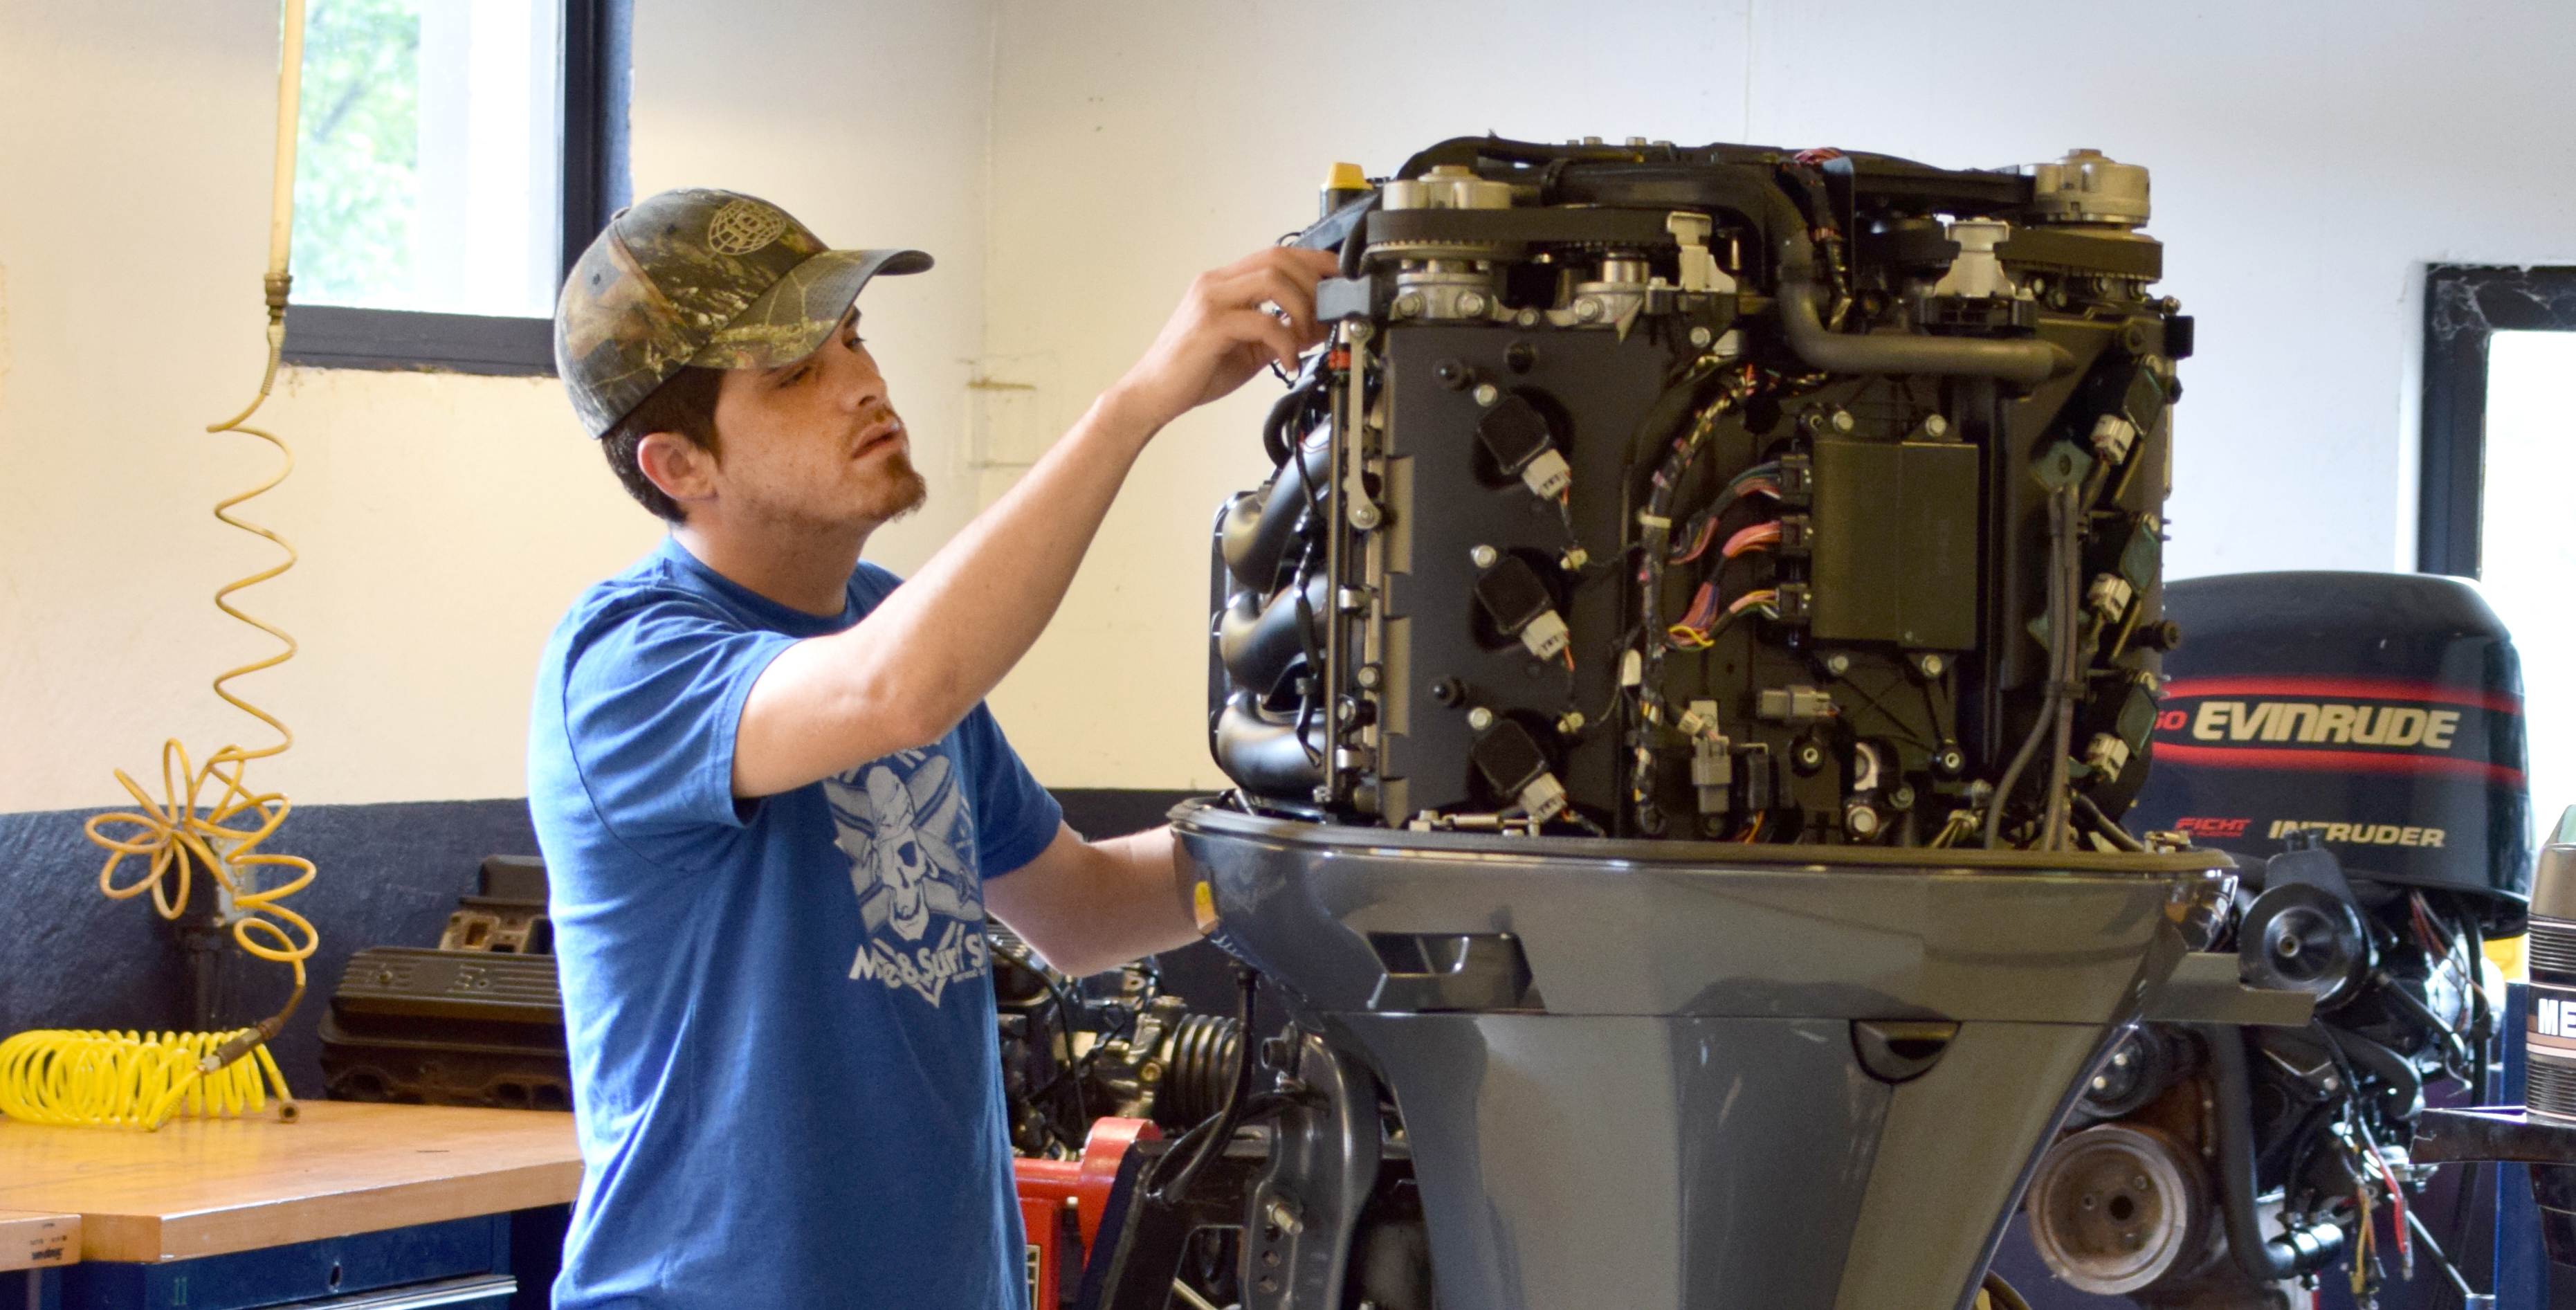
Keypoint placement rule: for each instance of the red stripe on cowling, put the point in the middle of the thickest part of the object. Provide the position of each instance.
(2262, 757)
(2347, 689)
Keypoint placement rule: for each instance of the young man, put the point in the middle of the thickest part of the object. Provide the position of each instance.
(772, 804)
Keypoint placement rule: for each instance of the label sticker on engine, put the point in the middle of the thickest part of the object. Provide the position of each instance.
(2344, 725)
(2553, 1023)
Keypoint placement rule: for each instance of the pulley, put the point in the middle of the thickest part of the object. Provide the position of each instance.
(2117, 1207)
(2301, 937)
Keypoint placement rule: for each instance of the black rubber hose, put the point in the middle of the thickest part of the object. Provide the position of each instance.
(2402, 1097)
(2106, 825)
(1219, 1130)
(2025, 362)
(1275, 439)
(2398, 996)
(2265, 1260)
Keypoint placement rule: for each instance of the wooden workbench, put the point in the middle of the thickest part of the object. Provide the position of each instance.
(212, 1186)
(38, 1241)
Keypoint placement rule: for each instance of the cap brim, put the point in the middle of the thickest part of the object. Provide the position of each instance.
(797, 314)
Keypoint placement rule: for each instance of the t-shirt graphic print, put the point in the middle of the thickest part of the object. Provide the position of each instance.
(903, 823)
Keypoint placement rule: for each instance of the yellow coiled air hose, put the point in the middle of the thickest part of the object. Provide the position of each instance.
(209, 819)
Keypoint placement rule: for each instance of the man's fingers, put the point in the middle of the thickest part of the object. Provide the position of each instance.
(1269, 282)
(1262, 330)
(1313, 263)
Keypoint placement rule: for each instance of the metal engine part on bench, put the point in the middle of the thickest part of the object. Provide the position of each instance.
(476, 1021)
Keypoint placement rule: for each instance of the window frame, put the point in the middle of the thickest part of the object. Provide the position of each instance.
(597, 77)
(2465, 305)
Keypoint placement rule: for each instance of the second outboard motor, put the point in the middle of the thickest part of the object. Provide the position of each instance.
(2355, 742)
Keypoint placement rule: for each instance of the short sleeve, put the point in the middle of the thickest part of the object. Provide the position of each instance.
(1015, 818)
(651, 704)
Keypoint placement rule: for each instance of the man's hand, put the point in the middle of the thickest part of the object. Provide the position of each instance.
(1222, 333)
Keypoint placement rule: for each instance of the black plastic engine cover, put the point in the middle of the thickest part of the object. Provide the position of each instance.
(2381, 711)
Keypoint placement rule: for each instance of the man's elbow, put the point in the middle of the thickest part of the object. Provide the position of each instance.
(885, 720)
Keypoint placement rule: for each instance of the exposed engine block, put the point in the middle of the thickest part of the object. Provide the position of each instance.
(1715, 492)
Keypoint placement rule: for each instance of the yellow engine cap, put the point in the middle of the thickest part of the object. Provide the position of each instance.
(1346, 177)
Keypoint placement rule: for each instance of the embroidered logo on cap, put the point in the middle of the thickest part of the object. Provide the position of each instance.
(743, 227)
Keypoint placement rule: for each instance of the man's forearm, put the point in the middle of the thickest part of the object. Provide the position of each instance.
(906, 674)
(1097, 905)
(902, 677)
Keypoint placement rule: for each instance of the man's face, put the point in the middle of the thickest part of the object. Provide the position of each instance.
(814, 444)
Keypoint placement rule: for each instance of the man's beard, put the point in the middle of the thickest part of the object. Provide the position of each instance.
(905, 489)
(899, 492)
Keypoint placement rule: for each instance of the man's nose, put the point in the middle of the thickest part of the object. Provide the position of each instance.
(861, 386)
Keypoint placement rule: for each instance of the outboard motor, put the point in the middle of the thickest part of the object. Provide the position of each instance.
(2355, 741)
(1682, 677)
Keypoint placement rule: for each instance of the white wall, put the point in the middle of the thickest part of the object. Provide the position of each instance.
(1071, 164)
(444, 521)
(2308, 158)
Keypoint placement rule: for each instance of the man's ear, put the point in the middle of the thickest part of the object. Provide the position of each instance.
(678, 467)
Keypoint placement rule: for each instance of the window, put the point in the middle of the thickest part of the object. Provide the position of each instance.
(454, 155)
(2499, 453)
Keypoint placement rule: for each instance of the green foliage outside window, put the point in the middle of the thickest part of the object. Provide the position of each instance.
(357, 179)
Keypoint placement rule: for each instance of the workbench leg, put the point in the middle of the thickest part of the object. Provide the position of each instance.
(36, 1289)
(535, 1256)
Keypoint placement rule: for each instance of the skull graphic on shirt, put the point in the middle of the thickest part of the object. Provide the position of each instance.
(900, 821)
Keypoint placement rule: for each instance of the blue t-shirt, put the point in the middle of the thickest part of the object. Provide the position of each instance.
(780, 1011)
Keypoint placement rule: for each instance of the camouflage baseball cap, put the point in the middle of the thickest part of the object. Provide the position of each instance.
(700, 277)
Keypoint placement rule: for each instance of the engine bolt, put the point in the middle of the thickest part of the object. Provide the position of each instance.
(1701, 337)
(1842, 421)
(1486, 393)
(1936, 426)
(1861, 821)
(1480, 718)
(1368, 675)
(1471, 304)
(1484, 556)
(1408, 304)
(1448, 691)
(1931, 663)
(1838, 664)
(1587, 309)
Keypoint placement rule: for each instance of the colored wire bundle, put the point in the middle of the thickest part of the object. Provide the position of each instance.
(1701, 623)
